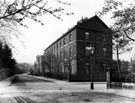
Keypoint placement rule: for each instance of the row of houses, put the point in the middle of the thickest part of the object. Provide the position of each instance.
(83, 53)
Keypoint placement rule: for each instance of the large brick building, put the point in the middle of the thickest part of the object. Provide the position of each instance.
(83, 53)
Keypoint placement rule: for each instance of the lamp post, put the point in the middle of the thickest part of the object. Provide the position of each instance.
(92, 84)
(91, 51)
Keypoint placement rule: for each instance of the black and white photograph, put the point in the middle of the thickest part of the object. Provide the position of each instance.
(67, 51)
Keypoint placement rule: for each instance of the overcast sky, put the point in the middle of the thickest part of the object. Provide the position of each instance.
(37, 37)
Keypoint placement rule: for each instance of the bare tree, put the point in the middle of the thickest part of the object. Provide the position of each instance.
(124, 24)
(48, 62)
(123, 27)
(68, 56)
(51, 62)
(15, 12)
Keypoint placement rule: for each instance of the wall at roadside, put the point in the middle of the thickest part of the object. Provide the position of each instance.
(128, 85)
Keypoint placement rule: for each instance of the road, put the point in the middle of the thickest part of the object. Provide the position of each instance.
(28, 89)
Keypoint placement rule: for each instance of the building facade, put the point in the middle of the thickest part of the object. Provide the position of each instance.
(39, 67)
(83, 53)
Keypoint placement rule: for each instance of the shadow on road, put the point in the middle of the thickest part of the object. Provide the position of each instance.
(28, 79)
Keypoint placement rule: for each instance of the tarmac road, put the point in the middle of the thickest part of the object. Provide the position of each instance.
(28, 89)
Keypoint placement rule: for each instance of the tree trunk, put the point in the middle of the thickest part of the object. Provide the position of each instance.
(118, 61)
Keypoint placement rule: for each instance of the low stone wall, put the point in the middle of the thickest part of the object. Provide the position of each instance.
(128, 85)
(123, 85)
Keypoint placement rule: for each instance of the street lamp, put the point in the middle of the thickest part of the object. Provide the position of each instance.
(91, 52)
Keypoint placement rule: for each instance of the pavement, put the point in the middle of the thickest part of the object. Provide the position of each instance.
(99, 87)
(5, 88)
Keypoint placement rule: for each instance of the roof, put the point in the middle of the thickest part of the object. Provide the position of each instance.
(79, 24)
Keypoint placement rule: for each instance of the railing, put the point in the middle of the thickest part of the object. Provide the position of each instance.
(128, 85)
(122, 85)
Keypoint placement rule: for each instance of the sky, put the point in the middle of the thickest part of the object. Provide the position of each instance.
(36, 38)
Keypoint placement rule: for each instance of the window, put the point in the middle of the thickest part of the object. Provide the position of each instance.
(60, 43)
(57, 56)
(60, 55)
(64, 41)
(54, 47)
(87, 68)
(57, 46)
(87, 51)
(70, 37)
(70, 51)
(87, 35)
(64, 53)
(63, 69)
(104, 51)
(73, 68)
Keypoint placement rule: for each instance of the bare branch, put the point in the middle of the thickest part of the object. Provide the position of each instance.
(14, 13)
